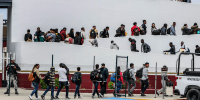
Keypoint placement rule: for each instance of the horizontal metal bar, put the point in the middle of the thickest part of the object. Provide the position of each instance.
(5, 4)
(5, 1)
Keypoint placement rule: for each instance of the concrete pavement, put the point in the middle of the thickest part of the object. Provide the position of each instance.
(23, 95)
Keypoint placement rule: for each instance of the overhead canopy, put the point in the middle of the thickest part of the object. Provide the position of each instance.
(5, 3)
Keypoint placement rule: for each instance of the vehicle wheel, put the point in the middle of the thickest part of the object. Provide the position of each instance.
(193, 94)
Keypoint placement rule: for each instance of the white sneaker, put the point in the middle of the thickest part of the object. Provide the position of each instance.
(30, 97)
(38, 98)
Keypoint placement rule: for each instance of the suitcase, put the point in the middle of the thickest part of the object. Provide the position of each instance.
(169, 91)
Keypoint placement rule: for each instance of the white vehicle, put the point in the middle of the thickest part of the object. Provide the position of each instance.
(188, 84)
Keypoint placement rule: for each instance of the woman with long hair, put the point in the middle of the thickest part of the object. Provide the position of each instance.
(36, 82)
(71, 34)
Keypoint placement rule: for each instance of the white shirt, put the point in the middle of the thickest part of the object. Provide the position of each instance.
(183, 47)
(83, 34)
(62, 74)
(145, 73)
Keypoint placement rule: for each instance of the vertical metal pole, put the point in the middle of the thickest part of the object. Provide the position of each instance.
(126, 76)
(116, 74)
(52, 60)
(94, 63)
(156, 80)
(9, 75)
(163, 87)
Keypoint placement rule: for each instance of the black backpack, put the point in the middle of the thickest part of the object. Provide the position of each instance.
(93, 75)
(126, 73)
(47, 78)
(93, 33)
(156, 32)
(136, 32)
(75, 78)
(101, 34)
(139, 73)
(168, 30)
(58, 38)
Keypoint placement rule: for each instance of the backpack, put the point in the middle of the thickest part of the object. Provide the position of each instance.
(142, 32)
(31, 77)
(139, 73)
(126, 73)
(112, 78)
(168, 30)
(46, 79)
(93, 75)
(92, 33)
(58, 38)
(70, 41)
(148, 47)
(101, 34)
(156, 32)
(136, 31)
(75, 78)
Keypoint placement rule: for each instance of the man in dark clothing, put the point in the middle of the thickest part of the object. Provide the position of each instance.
(12, 74)
(47, 80)
(105, 33)
(186, 30)
(77, 39)
(38, 34)
(144, 27)
(78, 83)
(197, 50)
(172, 49)
(104, 73)
(145, 47)
(133, 45)
(96, 82)
(120, 32)
(28, 35)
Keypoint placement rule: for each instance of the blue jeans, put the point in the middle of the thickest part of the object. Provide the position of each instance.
(95, 88)
(35, 90)
(61, 84)
(119, 86)
(52, 91)
(77, 89)
(145, 85)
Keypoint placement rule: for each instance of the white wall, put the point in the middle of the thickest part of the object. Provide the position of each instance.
(157, 43)
(30, 14)
(1, 39)
(73, 56)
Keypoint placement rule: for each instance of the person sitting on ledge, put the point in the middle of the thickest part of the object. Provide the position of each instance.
(94, 42)
(164, 29)
(120, 32)
(197, 50)
(186, 30)
(68, 39)
(105, 33)
(77, 39)
(28, 36)
(145, 47)
(133, 45)
(135, 29)
(183, 48)
(93, 33)
(195, 28)
(114, 45)
(172, 49)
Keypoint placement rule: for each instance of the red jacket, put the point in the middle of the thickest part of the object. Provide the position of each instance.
(132, 29)
(121, 78)
(63, 34)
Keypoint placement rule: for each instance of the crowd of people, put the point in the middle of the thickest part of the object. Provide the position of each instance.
(98, 75)
(53, 35)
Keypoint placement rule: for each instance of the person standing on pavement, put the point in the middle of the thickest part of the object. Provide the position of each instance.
(63, 81)
(96, 82)
(78, 84)
(12, 74)
(104, 73)
(132, 80)
(144, 79)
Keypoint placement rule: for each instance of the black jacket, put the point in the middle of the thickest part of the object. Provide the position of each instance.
(172, 50)
(27, 35)
(47, 78)
(133, 45)
(77, 40)
(104, 73)
(120, 32)
(13, 71)
(79, 76)
(197, 51)
(144, 27)
(105, 32)
(163, 31)
(37, 79)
